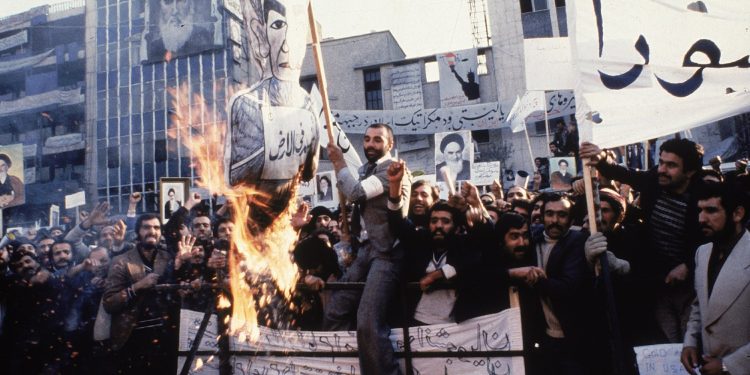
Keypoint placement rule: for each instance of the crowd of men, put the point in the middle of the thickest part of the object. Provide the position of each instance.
(99, 296)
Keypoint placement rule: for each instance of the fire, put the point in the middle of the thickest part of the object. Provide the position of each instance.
(253, 256)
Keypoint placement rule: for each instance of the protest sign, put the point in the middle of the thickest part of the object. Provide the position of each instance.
(459, 83)
(75, 200)
(548, 65)
(485, 173)
(661, 359)
(406, 87)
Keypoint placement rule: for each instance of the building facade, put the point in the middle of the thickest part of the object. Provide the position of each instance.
(42, 90)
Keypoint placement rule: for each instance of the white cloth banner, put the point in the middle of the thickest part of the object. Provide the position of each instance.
(649, 68)
(531, 102)
(14, 40)
(26, 62)
(61, 97)
(495, 332)
(406, 87)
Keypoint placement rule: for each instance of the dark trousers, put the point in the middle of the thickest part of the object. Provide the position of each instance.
(146, 352)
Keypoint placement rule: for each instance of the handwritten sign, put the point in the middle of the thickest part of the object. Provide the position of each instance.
(290, 134)
(406, 87)
(75, 200)
(661, 359)
(495, 332)
(485, 173)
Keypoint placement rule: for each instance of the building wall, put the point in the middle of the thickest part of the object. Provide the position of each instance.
(37, 74)
(132, 110)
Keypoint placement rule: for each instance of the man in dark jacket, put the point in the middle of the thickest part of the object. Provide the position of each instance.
(566, 290)
(140, 315)
(672, 233)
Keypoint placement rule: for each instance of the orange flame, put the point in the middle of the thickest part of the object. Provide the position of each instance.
(252, 255)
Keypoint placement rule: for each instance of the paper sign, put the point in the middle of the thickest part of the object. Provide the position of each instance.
(75, 200)
(661, 359)
(54, 215)
(485, 173)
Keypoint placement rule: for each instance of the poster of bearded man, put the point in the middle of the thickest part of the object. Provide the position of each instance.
(273, 135)
(177, 28)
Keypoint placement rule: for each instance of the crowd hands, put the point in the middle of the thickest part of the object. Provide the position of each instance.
(85, 297)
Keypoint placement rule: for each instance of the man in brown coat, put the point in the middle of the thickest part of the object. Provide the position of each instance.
(140, 315)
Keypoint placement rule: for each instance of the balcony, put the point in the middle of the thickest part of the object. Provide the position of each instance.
(37, 102)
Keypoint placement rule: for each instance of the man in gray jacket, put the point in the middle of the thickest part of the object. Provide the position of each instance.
(377, 263)
(717, 340)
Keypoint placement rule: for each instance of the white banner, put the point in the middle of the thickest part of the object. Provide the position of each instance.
(548, 64)
(14, 40)
(531, 102)
(495, 332)
(649, 68)
(459, 83)
(61, 97)
(436, 120)
(406, 87)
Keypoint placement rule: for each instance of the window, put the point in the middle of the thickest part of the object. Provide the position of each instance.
(533, 5)
(373, 92)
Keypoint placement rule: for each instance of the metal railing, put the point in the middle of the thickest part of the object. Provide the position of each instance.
(407, 354)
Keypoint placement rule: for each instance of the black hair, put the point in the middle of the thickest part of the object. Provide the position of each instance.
(452, 138)
(554, 197)
(324, 177)
(143, 218)
(563, 161)
(731, 198)
(434, 190)
(219, 221)
(690, 152)
(522, 203)
(702, 173)
(442, 205)
(387, 128)
(16, 257)
(6, 159)
(506, 222)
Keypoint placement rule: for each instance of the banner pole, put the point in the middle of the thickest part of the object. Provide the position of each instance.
(528, 143)
(546, 119)
(320, 70)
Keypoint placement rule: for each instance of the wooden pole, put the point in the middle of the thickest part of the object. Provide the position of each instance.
(546, 119)
(318, 57)
(528, 143)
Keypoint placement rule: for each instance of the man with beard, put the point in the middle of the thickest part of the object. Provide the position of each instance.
(565, 291)
(272, 140)
(671, 224)
(718, 331)
(437, 253)
(140, 315)
(61, 258)
(11, 187)
(179, 33)
(34, 322)
(452, 148)
(423, 195)
(378, 262)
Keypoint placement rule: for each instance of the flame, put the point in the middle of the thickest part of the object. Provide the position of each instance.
(198, 364)
(253, 256)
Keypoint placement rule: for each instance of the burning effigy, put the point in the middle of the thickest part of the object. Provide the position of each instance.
(256, 159)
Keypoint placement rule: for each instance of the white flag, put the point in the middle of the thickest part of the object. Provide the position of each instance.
(649, 68)
(531, 102)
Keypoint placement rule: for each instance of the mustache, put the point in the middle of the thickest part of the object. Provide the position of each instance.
(553, 226)
(665, 176)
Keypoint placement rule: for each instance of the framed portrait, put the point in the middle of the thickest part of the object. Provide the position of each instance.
(454, 154)
(12, 185)
(173, 193)
(561, 172)
(54, 215)
(326, 193)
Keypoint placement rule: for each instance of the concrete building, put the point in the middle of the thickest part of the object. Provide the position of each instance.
(42, 89)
